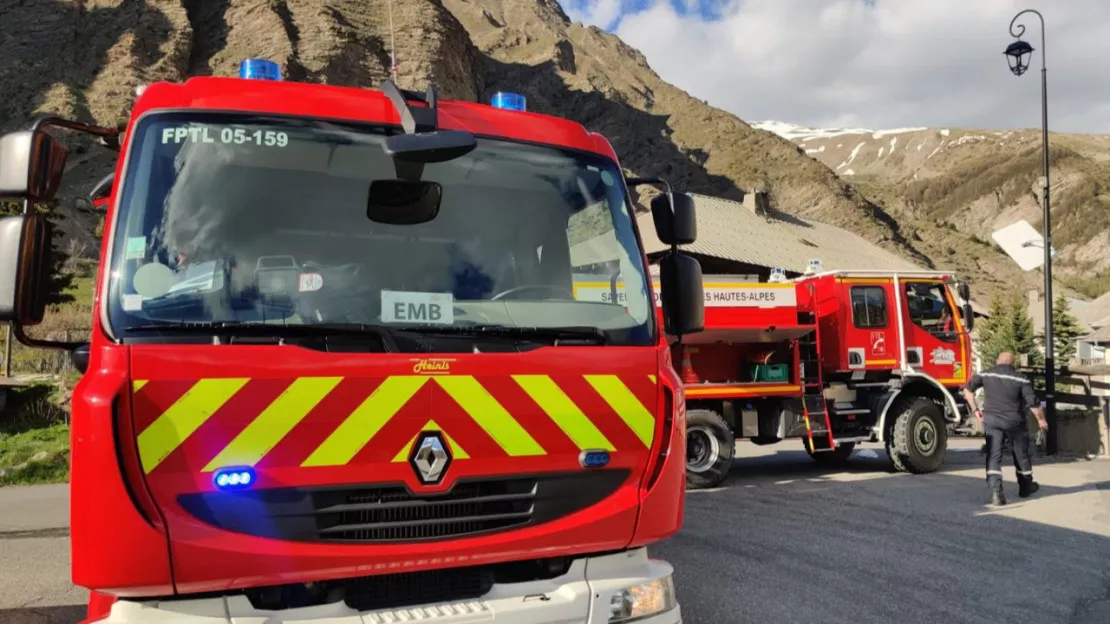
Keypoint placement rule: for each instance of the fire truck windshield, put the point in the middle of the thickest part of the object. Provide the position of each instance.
(233, 218)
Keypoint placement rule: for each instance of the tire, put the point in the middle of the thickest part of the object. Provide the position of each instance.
(710, 446)
(839, 455)
(919, 438)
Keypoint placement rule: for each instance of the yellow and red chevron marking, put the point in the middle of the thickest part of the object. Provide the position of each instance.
(205, 424)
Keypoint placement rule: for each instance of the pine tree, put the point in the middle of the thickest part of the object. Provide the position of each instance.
(1009, 328)
(1065, 331)
(1025, 338)
(995, 332)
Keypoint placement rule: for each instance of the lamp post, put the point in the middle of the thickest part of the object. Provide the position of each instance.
(1018, 54)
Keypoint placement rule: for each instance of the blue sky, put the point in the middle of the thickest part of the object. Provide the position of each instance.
(867, 63)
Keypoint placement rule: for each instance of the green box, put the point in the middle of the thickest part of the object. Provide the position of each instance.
(770, 373)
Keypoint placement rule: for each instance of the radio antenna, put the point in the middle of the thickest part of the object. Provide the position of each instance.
(392, 45)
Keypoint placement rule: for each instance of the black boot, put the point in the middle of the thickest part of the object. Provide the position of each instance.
(998, 499)
(1027, 488)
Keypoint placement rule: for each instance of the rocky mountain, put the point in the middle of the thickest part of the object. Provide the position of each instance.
(972, 182)
(83, 58)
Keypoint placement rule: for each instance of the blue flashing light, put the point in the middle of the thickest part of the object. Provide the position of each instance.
(509, 101)
(259, 69)
(234, 478)
(595, 459)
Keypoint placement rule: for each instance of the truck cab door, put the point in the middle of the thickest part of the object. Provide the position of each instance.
(935, 336)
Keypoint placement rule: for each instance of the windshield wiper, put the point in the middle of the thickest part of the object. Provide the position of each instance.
(276, 330)
(560, 335)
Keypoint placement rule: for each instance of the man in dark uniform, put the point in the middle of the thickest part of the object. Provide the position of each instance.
(1009, 395)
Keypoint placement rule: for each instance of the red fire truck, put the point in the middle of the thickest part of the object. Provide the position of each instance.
(336, 367)
(833, 358)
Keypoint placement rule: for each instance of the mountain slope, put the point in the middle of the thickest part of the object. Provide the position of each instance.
(84, 58)
(975, 182)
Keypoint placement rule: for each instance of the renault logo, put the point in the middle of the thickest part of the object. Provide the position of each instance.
(430, 457)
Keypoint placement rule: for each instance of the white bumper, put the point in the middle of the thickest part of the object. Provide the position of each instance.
(581, 596)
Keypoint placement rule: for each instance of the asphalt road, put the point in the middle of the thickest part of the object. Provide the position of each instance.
(784, 540)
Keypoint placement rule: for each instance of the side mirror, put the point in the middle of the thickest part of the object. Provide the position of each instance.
(969, 316)
(31, 165)
(80, 357)
(681, 294)
(24, 247)
(675, 220)
(964, 291)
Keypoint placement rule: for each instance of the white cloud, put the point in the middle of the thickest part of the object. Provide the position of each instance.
(876, 64)
(601, 13)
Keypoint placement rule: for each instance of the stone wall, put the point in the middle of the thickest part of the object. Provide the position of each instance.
(1079, 432)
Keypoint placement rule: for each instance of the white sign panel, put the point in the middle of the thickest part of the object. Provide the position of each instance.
(748, 296)
(730, 295)
(600, 292)
(1023, 243)
(417, 307)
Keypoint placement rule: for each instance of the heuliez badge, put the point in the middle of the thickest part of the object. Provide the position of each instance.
(417, 307)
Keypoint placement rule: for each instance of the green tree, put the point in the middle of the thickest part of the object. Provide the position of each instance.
(1065, 331)
(1009, 328)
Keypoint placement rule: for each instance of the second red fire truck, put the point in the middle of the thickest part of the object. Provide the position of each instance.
(832, 359)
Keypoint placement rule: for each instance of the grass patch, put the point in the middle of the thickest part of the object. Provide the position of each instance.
(36, 456)
(34, 437)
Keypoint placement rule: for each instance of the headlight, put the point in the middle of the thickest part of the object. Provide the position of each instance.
(643, 600)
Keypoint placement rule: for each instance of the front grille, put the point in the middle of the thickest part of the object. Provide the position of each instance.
(400, 590)
(396, 591)
(390, 513)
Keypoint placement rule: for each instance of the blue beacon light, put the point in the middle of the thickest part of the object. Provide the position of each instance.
(259, 69)
(594, 459)
(234, 478)
(509, 101)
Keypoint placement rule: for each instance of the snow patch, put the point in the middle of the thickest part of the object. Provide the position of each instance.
(968, 138)
(855, 152)
(881, 149)
(882, 133)
(815, 151)
(893, 142)
(921, 145)
(849, 172)
(945, 132)
(795, 132)
(931, 154)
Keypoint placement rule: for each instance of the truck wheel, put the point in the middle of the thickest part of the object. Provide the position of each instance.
(919, 438)
(839, 455)
(709, 449)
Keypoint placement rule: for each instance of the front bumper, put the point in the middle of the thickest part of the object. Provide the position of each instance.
(581, 596)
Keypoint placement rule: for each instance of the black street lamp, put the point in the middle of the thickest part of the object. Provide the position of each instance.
(1018, 54)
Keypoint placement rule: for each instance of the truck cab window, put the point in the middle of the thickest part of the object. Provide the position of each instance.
(869, 306)
(928, 309)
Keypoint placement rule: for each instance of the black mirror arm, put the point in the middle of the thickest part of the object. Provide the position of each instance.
(631, 182)
(109, 137)
(21, 335)
(413, 120)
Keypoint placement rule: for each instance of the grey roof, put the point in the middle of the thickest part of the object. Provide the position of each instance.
(1093, 316)
(1099, 336)
(730, 231)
